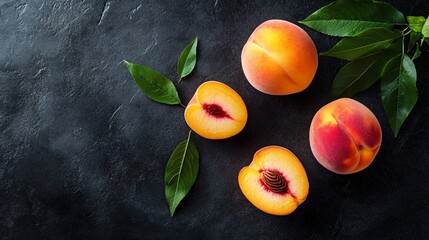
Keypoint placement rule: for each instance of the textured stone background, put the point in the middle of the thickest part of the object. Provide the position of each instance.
(83, 151)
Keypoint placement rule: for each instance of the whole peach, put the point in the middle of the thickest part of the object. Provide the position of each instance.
(345, 136)
(279, 58)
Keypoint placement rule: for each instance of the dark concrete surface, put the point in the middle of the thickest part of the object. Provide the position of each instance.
(83, 151)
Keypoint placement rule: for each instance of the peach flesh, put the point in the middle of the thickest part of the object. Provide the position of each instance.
(275, 181)
(216, 111)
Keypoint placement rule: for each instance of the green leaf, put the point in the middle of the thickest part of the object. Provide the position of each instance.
(416, 23)
(187, 59)
(181, 172)
(417, 53)
(358, 75)
(365, 43)
(398, 90)
(414, 37)
(425, 28)
(153, 84)
(351, 17)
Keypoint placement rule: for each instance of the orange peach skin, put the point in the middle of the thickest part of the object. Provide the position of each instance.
(345, 136)
(279, 58)
(284, 162)
(216, 111)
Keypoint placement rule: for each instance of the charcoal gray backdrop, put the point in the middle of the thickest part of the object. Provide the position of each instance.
(83, 151)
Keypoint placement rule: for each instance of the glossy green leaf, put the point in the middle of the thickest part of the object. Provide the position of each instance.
(365, 43)
(187, 59)
(358, 75)
(180, 173)
(153, 84)
(416, 23)
(398, 90)
(425, 28)
(351, 17)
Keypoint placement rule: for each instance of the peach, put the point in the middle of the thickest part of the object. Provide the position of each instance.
(345, 136)
(279, 58)
(216, 111)
(275, 181)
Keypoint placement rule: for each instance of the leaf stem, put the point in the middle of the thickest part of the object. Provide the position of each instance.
(422, 41)
(189, 134)
(181, 104)
(409, 31)
(400, 24)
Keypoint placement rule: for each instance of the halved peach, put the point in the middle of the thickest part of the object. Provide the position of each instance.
(275, 181)
(216, 111)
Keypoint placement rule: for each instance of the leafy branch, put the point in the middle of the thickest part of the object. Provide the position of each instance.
(182, 166)
(375, 49)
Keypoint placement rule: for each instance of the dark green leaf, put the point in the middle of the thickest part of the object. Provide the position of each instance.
(187, 59)
(425, 28)
(351, 17)
(365, 43)
(416, 23)
(398, 90)
(358, 75)
(181, 173)
(417, 53)
(153, 84)
(414, 37)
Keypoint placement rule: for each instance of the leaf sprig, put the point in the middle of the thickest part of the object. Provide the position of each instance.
(375, 49)
(182, 167)
(181, 172)
(187, 59)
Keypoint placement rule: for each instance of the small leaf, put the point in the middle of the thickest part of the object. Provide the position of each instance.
(187, 59)
(398, 90)
(365, 43)
(153, 84)
(181, 173)
(414, 37)
(425, 28)
(351, 17)
(417, 53)
(416, 23)
(358, 75)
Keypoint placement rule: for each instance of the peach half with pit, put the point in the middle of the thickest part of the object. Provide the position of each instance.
(345, 136)
(275, 181)
(279, 58)
(216, 111)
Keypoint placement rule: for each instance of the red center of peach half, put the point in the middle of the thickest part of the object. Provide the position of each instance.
(216, 111)
(275, 181)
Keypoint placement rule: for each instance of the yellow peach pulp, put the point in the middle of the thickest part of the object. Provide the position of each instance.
(216, 111)
(287, 165)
